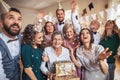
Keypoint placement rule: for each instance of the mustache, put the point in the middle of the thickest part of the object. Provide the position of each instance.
(15, 24)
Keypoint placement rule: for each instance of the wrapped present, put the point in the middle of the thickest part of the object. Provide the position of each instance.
(66, 78)
(63, 68)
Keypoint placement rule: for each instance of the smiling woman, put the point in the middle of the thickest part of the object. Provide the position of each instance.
(55, 52)
(31, 52)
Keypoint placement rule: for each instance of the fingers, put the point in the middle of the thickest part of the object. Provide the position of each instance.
(105, 54)
(108, 54)
(105, 50)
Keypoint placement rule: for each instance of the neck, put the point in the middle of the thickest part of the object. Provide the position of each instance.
(108, 32)
(87, 46)
(34, 46)
(57, 49)
(8, 35)
(50, 33)
(70, 39)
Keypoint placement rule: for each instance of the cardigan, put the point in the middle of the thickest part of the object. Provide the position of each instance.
(9, 65)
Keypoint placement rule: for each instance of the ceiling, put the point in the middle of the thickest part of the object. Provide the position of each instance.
(32, 4)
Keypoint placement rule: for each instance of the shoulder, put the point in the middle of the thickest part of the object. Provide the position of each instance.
(64, 49)
(97, 46)
(26, 46)
(80, 48)
(48, 48)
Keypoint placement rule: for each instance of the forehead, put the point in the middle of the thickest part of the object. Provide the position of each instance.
(13, 13)
(69, 29)
(85, 30)
(57, 37)
(39, 34)
(49, 23)
(60, 11)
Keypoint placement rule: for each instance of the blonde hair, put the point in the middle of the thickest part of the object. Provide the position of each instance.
(115, 28)
(67, 26)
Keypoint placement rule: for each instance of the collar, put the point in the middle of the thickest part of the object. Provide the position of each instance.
(60, 23)
(94, 32)
(6, 38)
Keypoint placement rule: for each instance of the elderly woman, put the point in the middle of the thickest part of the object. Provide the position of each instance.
(70, 38)
(56, 52)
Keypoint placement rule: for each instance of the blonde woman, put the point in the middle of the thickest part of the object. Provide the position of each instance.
(111, 40)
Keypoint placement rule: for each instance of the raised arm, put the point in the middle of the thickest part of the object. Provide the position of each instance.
(74, 16)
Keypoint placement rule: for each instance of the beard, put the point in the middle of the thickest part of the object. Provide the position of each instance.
(9, 31)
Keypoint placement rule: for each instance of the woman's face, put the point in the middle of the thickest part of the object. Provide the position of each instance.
(109, 25)
(57, 41)
(38, 38)
(69, 33)
(85, 36)
(49, 27)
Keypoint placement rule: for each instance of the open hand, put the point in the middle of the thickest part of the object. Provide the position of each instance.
(104, 54)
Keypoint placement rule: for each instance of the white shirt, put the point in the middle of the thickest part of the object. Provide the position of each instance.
(49, 51)
(60, 27)
(14, 46)
(96, 38)
(75, 22)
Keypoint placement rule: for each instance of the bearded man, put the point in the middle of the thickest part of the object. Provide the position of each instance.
(10, 45)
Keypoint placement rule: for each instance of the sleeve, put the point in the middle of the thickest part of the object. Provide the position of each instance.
(2, 74)
(78, 56)
(99, 49)
(75, 22)
(26, 56)
(43, 67)
(73, 66)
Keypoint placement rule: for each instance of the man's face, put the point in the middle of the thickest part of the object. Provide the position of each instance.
(60, 15)
(12, 23)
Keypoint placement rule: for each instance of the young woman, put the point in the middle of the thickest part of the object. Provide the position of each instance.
(111, 40)
(31, 53)
(91, 56)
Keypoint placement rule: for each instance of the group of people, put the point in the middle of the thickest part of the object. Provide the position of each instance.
(92, 55)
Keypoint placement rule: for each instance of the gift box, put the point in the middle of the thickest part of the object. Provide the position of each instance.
(63, 68)
(66, 78)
